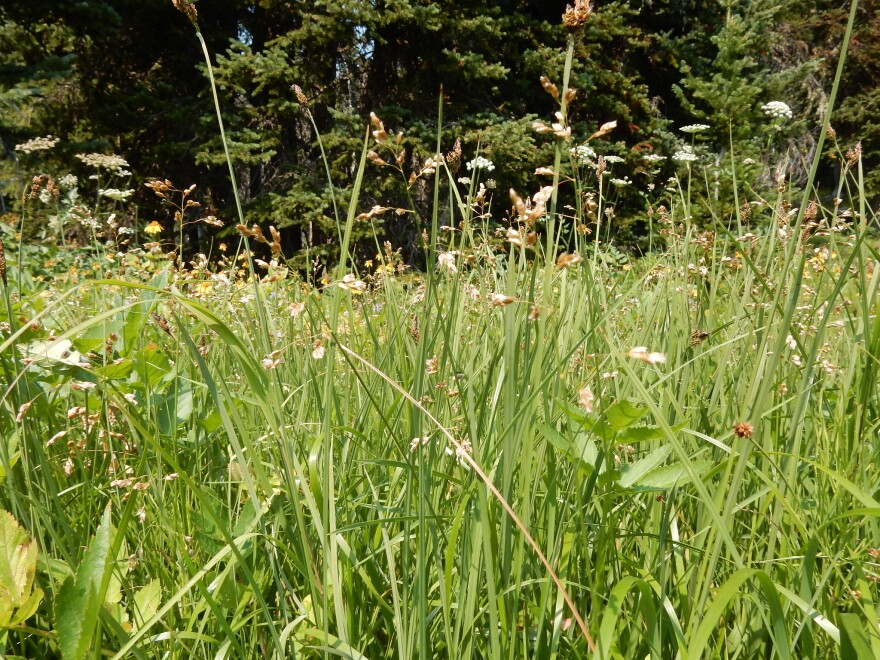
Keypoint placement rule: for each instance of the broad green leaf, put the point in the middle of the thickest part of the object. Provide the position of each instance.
(670, 476)
(116, 370)
(631, 473)
(584, 450)
(81, 597)
(146, 602)
(623, 414)
(853, 639)
(18, 562)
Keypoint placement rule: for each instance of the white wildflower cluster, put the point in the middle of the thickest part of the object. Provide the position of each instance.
(584, 154)
(685, 155)
(694, 128)
(621, 182)
(68, 181)
(109, 162)
(116, 194)
(614, 159)
(38, 144)
(480, 163)
(653, 158)
(777, 110)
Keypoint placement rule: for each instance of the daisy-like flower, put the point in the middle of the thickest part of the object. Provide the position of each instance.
(153, 228)
(694, 128)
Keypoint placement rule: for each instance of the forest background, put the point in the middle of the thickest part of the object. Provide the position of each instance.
(126, 77)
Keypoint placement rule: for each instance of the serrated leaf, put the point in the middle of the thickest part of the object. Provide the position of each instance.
(80, 599)
(18, 562)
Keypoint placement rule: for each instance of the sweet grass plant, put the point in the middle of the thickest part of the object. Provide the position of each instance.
(521, 452)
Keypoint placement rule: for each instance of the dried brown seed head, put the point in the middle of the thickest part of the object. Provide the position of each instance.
(743, 430)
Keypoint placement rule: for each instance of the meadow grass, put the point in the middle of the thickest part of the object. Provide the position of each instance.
(520, 452)
(290, 469)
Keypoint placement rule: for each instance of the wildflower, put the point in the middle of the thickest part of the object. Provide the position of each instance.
(743, 430)
(300, 97)
(55, 438)
(697, 337)
(446, 261)
(431, 366)
(351, 283)
(653, 158)
(38, 144)
(777, 110)
(272, 360)
(463, 449)
(748, 161)
(153, 228)
(415, 443)
(583, 154)
(76, 411)
(565, 260)
(694, 128)
(614, 159)
(170, 477)
(501, 300)
(854, 154)
(22, 411)
(109, 162)
(685, 155)
(545, 171)
(68, 466)
(576, 16)
(534, 313)
(604, 129)
(480, 163)
(549, 87)
(141, 514)
(318, 350)
(621, 182)
(641, 353)
(296, 309)
(116, 194)
(586, 398)
(790, 342)
(131, 399)
(559, 128)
